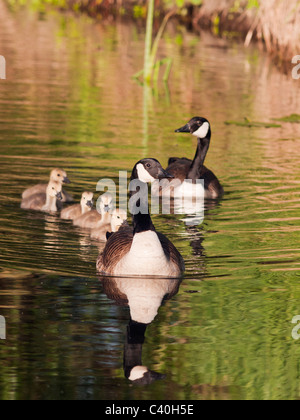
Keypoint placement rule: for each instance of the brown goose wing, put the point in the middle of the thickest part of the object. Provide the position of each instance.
(211, 183)
(176, 159)
(173, 160)
(179, 168)
(118, 245)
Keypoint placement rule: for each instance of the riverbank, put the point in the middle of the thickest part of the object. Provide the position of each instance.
(274, 24)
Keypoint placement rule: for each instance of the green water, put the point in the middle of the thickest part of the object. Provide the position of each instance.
(69, 101)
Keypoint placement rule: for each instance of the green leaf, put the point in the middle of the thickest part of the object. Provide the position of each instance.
(180, 3)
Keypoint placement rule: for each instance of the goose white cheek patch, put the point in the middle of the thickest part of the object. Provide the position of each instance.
(144, 175)
(202, 131)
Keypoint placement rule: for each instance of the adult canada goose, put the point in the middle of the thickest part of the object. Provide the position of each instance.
(44, 201)
(118, 217)
(56, 175)
(141, 251)
(77, 210)
(94, 219)
(187, 169)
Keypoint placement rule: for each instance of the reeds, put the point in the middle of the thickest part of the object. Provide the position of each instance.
(151, 65)
(276, 23)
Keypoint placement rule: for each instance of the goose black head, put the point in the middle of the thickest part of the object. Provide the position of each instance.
(198, 127)
(148, 170)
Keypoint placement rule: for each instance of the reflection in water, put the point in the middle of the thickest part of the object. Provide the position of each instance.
(191, 210)
(85, 245)
(133, 365)
(196, 239)
(52, 233)
(144, 296)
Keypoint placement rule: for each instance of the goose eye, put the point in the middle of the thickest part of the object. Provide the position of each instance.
(148, 165)
(58, 174)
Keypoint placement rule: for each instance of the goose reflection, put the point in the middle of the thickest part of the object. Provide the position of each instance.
(52, 232)
(144, 296)
(85, 247)
(192, 211)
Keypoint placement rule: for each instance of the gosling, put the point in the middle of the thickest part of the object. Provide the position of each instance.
(56, 175)
(93, 219)
(46, 202)
(118, 218)
(77, 210)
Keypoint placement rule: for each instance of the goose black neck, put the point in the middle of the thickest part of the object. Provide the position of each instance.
(198, 162)
(133, 346)
(142, 221)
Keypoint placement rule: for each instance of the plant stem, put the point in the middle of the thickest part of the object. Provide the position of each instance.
(148, 68)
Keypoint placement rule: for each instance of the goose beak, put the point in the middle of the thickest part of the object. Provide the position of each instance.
(59, 196)
(184, 129)
(66, 180)
(90, 204)
(162, 174)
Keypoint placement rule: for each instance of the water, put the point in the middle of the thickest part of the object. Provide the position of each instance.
(69, 101)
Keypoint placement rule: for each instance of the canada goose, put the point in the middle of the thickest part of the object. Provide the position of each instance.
(44, 201)
(94, 219)
(141, 251)
(186, 169)
(77, 210)
(56, 175)
(118, 217)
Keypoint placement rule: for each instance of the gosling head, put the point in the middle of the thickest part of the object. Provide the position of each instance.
(118, 217)
(58, 175)
(87, 200)
(198, 127)
(54, 190)
(106, 203)
(148, 170)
